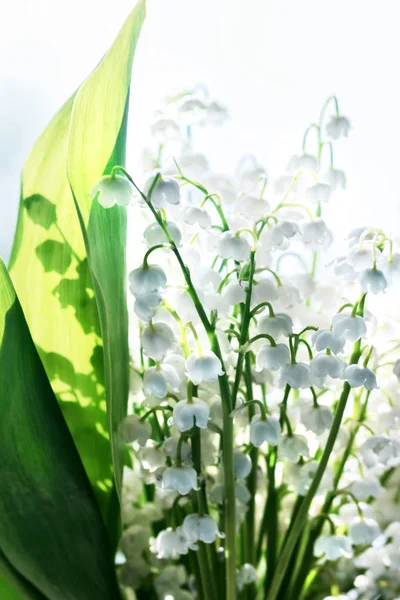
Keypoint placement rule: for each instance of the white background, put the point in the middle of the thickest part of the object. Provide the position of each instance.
(272, 62)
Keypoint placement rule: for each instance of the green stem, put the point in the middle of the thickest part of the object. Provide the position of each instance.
(302, 515)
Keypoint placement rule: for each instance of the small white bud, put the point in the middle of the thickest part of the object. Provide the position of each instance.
(268, 430)
(180, 479)
(113, 189)
(187, 414)
(272, 357)
(357, 376)
(232, 245)
(206, 367)
(135, 430)
(296, 375)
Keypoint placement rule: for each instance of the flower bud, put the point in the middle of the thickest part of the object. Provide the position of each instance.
(324, 339)
(135, 430)
(348, 327)
(272, 357)
(373, 280)
(323, 366)
(200, 529)
(317, 418)
(158, 380)
(147, 279)
(206, 367)
(232, 245)
(338, 127)
(242, 464)
(188, 414)
(264, 430)
(279, 324)
(363, 531)
(292, 447)
(318, 193)
(169, 544)
(157, 339)
(246, 576)
(154, 235)
(357, 376)
(113, 189)
(180, 479)
(333, 547)
(296, 375)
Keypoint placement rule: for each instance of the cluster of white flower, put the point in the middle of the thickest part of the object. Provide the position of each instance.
(265, 379)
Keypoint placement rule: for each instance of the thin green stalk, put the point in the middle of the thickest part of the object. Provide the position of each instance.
(302, 515)
(272, 510)
(244, 331)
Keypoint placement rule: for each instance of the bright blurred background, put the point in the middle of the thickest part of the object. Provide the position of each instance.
(271, 62)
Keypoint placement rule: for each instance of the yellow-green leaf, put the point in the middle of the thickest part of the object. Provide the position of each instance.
(96, 144)
(53, 542)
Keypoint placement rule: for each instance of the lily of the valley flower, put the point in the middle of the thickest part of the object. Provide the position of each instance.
(180, 479)
(204, 367)
(187, 413)
(113, 189)
(233, 245)
(200, 528)
(264, 430)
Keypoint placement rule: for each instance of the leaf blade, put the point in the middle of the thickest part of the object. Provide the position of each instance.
(51, 531)
(101, 103)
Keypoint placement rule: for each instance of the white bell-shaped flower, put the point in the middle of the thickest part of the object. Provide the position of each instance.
(343, 269)
(192, 110)
(279, 324)
(363, 531)
(246, 576)
(318, 193)
(379, 450)
(206, 367)
(279, 236)
(373, 280)
(306, 475)
(333, 547)
(335, 178)
(264, 430)
(147, 279)
(180, 479)
(113, 189)
(297, 375)
(369, 487)
(348, 327)
(157, 339)
(252, 207)
(242, 493)
(187, 414)
(216, 113)
(357, 376)
(135, 430)
(151, 458)
(170, 448)
(233, 245)
(145, 305)
(165, 129)
(292, 447)
(193, 215)
(325, 365)
(302, 161)
(135, 540)
(200, 528)
(154, 235)
(165, 191)
(242, 463)
(324, 339)
(159, 380)
(338, 127)
(234, 293)
(263, 289)
(316, 234)
(272, 357)
(317, 418)
(396, 368)
(169, 544)
(361, 258)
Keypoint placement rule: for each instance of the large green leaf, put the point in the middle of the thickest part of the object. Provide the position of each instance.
(50, 270)
(96, 144)
(50, 273)
(51, 530)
